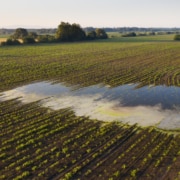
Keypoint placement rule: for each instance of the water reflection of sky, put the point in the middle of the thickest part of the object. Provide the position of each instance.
(148, 106)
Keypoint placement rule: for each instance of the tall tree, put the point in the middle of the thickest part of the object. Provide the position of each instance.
(77, 33)
(68, 32)
(63, 32)
(20, 33)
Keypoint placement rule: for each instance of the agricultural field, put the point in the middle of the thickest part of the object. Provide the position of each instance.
(3, 38)
(91, 63)
(116, 36)
(83, 128)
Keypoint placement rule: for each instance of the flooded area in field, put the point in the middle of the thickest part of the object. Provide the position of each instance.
(147, 106)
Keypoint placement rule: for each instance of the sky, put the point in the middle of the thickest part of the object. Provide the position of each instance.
(96, 13)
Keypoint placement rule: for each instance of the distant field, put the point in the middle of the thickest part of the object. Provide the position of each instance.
(149, 38)
(108, 62)
(40, 143)
(2, 39)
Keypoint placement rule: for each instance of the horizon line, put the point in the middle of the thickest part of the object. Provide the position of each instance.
(41, 27)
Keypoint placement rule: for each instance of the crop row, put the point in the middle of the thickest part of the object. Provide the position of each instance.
(42, 144)
(91, 63)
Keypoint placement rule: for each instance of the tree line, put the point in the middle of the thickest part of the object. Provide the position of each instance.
(177, 37)
(4, 31)
(65, 32)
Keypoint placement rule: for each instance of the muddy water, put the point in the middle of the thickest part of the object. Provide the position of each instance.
(147, 106)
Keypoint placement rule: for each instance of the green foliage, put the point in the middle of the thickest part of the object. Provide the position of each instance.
(46, 39)
(132, 34)
(46, 133)
(67, 32)
(91, 63)
(32, 35)
(20, 33)
(177, 37)
(97, 34)
(101, 34)
(133, 173)
(63, 32)
(28, 40)
(91, 35)
(77, 33)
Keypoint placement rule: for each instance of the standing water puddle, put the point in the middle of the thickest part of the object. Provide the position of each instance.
(147, 106)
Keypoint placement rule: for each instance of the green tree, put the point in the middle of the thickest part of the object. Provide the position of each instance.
(20, 33)
(32, 35)
(67, 32)
(63, 32)
(46, 38)
(177, 37)
(77, 33)
(131, 34)
(101, 34)
(91, 35)
(28, 40)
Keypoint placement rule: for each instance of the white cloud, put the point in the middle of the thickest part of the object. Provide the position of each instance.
(111, 111)
(96, 107)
